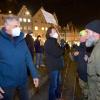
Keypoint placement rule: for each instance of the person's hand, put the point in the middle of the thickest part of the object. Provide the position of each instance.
(36, 82)
(1, 92)
(86, 58)
(76, 53)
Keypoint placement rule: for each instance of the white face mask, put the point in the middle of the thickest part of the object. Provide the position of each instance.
(54, 35)
(16, 31)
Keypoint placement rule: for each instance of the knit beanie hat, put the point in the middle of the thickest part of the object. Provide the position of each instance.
(94, 26)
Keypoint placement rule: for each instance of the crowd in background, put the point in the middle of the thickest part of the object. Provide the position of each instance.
(19, 55)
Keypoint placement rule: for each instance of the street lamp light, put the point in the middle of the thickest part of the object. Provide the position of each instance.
(10, 11)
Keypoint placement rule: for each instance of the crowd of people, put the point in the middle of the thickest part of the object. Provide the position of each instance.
(20, 55)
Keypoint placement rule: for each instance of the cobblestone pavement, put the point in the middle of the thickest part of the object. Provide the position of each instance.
(71, 90)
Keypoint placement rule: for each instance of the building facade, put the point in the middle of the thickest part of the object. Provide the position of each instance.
(38, 25)
(25, 19)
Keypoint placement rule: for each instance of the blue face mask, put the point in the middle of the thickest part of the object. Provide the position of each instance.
(90, 42)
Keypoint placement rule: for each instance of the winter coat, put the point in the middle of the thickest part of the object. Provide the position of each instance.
(93, 67)
(54, 54)
(38, 47)
(30, 43)
(81, 63)
(15, 58)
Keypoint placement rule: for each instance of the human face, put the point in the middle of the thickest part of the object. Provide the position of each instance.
(83, 38)
(10, 26)
(92, 38)
(54, 33)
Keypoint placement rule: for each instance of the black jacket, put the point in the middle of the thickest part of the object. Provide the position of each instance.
(82, 64)
(54, 54)
(30, 43)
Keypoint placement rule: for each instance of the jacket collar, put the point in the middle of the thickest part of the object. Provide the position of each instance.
(53, 38)
(16, 39)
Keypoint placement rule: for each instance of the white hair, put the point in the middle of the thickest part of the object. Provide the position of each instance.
(10, 18)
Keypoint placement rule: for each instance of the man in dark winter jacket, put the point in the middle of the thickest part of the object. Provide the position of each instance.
(30, 43)
(39, 51)
(81, 57)
(54, 62)
(15, 58)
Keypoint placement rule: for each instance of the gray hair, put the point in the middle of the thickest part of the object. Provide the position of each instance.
(10, 18)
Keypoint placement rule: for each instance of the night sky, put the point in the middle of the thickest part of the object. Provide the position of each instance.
(79, 12)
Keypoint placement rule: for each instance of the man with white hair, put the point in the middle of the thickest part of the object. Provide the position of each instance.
(93, 68)
(15, 58)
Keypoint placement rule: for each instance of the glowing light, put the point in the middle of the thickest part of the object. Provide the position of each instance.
(36, 27)
(42, 28)
(10, 12)
(20, 19)
(27, 13)
(24, 19)
(46, 28)
(29, 20)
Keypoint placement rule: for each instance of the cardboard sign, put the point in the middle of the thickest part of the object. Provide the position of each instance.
(49, 17)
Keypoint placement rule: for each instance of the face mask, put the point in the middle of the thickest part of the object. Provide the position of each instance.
(54, 35)
(15, 31)
(90, 42)
(39, 39)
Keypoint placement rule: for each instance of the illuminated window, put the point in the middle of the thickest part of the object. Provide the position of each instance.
(24, 19)
(46, 28)
(20, 19)
(27, 13)
(36, 27)
(25, 27)
(29, 28)
(29, 20)
(42, 28)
